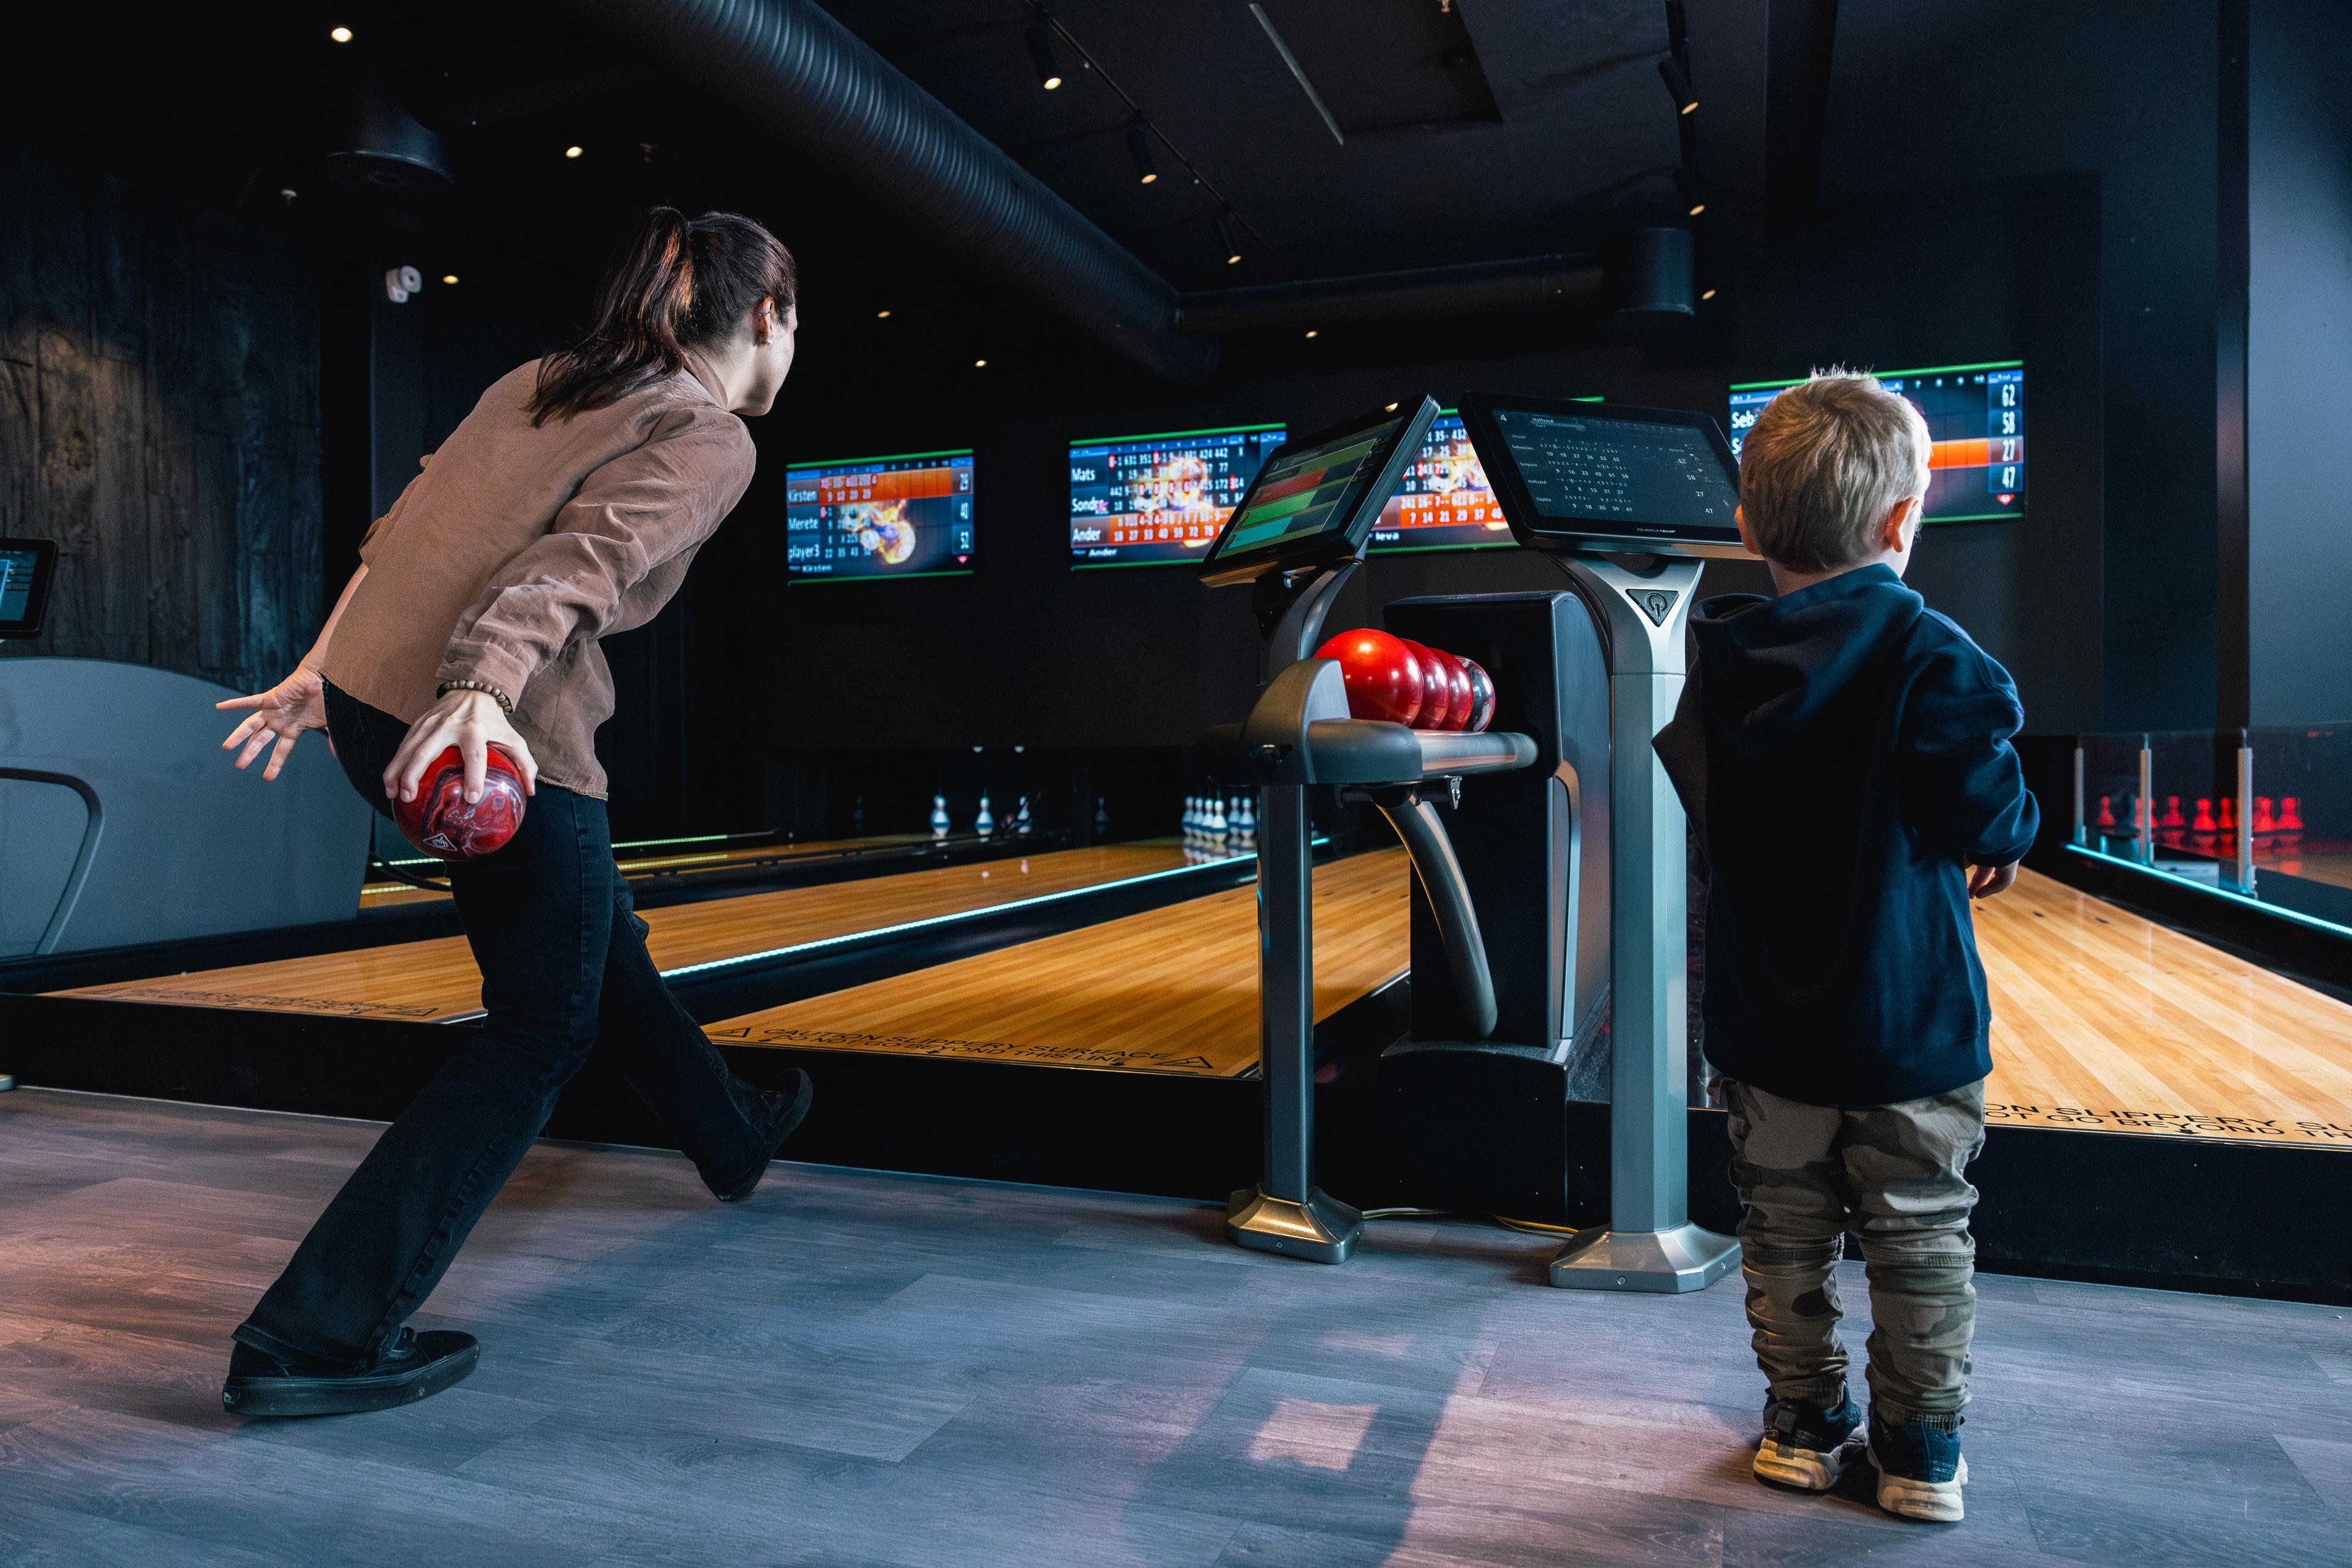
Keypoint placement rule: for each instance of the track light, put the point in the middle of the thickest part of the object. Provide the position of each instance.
(1140, 146)
(1671, 72)
(1686, 184)
(1225, 240)
(1041, 51)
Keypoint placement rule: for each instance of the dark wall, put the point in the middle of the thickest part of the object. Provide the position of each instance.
(2298, 362)
(1028, 650)
(158, 419)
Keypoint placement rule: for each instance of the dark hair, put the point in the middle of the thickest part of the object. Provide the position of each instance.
(672, 286)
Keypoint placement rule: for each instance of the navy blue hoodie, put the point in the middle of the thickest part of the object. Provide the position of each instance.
(1856, 759)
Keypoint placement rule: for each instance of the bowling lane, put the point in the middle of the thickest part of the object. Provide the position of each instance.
(677, 858)
(1173, 990)
(2106, 1022)
(2102, 1021)
(435, 981)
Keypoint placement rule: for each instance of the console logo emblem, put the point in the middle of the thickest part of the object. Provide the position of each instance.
(1656, 603)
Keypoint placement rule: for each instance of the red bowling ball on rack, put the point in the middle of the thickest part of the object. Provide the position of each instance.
(439, 821)
(1398, 680)
(1384, 676)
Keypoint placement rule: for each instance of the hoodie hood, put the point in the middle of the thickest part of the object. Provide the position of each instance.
(1775, 663)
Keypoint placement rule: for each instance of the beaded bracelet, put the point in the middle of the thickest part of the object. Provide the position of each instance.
(484, 686)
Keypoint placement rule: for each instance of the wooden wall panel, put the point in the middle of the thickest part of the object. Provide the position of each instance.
(158, 419)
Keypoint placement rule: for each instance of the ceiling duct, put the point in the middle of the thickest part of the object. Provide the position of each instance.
(793, 70)
(1530, 283)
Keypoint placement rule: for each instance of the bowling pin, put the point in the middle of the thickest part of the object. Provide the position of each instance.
(1217, 824)
(939, 816)
(1021, 820)
(986, 821)
(1102, 817)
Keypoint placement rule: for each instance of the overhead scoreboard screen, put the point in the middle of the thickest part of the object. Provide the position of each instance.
(1136, 500)
(904, 516)
(1976, 418)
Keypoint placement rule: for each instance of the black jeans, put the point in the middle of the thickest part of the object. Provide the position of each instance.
(564, 971)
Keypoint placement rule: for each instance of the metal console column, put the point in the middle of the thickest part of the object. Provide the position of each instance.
(1651, 1244)
(1285, 1212)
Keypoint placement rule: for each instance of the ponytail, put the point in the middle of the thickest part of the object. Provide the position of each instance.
(673, 285)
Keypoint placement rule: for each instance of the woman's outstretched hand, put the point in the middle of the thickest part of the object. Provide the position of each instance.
(473, 722)
(295, 704)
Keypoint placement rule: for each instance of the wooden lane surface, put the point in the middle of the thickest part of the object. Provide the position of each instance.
(2105, 1021)
(683, 860)
(1172, 991)
(432, 980)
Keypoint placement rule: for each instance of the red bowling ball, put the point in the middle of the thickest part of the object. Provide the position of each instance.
(1384, 679)
(440, 823)
(1455, 714)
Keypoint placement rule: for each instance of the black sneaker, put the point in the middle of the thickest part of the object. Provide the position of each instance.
(411, 1367)
(1921, 1468)
(781, 1111)
(1806, 1446)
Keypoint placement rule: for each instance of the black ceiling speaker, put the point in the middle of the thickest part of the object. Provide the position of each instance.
(387, 151)
(1656, 289)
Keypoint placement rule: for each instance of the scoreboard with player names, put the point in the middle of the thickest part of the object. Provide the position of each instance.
(1975, 419)
(1139, 500)
(903, 516)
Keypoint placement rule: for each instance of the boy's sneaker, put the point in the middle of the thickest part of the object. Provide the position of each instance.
(1805, 1446)
(1920, 1469)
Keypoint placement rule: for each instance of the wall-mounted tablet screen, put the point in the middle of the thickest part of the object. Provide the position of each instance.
(1975, 419)
(903, 516)
(27, 567)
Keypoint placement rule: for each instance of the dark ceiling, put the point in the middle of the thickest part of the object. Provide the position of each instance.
(1476, 131)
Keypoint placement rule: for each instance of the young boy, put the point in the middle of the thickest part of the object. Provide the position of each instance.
(1858, 788)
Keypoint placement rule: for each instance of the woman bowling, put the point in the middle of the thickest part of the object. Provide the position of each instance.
(565, 508)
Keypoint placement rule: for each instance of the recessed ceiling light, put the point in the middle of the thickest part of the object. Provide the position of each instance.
(341, 35)
(448, 277)
(979, 363)
(1708, 295)
(881, 315)
(1696, 208)
(1310, 332)
(1392, 408)
(571, 151)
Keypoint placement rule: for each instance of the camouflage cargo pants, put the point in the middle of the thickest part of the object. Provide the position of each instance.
(1892, 1175)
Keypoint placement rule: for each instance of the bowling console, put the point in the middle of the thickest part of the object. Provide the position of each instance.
(1547, 920)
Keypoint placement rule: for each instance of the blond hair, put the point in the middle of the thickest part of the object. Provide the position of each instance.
(1823, 465)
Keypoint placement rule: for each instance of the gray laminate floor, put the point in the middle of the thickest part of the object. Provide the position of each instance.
(858, 1369)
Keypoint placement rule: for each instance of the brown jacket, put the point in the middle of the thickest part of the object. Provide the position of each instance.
(517, 547)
